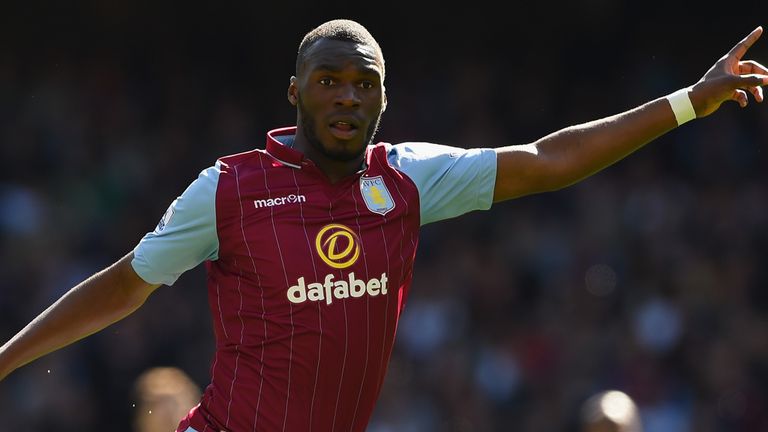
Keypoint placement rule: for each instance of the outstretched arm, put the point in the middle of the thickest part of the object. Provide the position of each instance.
(571, 154)
(94, 304)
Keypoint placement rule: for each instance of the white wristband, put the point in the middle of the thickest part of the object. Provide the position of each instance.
(681, 106)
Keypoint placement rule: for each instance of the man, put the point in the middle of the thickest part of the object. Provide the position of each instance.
(309, 244)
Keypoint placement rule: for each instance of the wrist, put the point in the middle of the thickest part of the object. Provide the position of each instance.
(680, 102)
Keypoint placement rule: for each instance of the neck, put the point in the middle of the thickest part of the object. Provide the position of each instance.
(334, 169)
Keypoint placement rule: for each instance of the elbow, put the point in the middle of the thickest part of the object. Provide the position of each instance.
(558, 183)
(531, 171)
(130, 290)
(550, 176)
(558, 173)
(523, 187)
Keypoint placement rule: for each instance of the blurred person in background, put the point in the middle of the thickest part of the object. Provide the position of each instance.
(610, 411)
(293, 236)
(163, 396)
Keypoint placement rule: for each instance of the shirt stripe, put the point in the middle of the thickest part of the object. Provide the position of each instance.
(264, 320)
(287, 283)
(338, 344)
(240, 295)
(367, 314)
(346, 341)
(319, 310)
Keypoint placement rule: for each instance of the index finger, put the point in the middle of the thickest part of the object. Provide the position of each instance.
(741, 48)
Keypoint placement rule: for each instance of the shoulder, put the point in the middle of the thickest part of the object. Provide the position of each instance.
(225, 164)
(413, 152)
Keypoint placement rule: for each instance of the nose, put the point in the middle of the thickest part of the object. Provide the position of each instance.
(348, 95)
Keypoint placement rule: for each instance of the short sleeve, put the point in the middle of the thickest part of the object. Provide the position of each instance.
(184, 237)
(451, 181)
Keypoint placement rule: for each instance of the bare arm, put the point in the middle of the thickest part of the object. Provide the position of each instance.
(97, 302)
(574, 153)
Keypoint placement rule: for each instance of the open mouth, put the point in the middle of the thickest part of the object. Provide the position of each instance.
(343, 130)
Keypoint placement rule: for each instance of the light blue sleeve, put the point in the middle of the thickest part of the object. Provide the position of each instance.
(186, 235)
(451, 180)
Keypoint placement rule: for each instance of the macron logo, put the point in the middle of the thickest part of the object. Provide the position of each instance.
(271, 202)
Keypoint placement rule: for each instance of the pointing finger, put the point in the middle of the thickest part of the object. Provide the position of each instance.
(741, 48)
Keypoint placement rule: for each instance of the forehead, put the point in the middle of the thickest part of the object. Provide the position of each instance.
(337, 54)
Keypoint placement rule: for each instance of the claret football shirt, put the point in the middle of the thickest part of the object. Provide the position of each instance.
(306, 278)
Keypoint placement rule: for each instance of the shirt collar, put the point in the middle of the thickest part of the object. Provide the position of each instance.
(279, 142)
(280, 147)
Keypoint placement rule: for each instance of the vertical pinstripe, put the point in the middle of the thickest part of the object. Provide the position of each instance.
(337, 352)
(346, 341)
(216, 356)
(285, 276)
(386, 307)
(240, 307)
(402, 229)
(367, 314)
(402, 239)
(221, 314)
(319, 357)
(264, 320)
(319, 310)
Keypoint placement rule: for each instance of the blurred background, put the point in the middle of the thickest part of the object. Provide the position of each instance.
(648, 278)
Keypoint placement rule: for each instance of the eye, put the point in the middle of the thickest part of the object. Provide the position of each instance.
(366, 85)
(326, 81)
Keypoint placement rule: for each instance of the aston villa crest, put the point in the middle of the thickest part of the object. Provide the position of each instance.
(376, 195)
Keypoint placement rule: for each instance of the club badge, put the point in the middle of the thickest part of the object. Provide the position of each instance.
(376, 195)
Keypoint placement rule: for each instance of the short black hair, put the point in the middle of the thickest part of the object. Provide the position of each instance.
(343, 30)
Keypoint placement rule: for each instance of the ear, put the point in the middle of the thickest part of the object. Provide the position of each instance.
(293, 92)
(384, 102)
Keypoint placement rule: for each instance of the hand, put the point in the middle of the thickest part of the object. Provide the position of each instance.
(730, 78)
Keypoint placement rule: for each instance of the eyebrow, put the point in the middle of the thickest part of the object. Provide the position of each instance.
(327, 67)
(373, 69)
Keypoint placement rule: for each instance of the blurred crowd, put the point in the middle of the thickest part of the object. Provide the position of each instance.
(647, 278)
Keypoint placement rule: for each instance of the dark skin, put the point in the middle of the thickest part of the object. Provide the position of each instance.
(576, 152)
(343, 80)
(339, 95)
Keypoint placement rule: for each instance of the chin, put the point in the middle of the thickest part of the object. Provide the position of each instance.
(343, 156)
(343, 150)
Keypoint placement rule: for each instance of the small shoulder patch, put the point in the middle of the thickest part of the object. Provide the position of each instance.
(166, 219)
